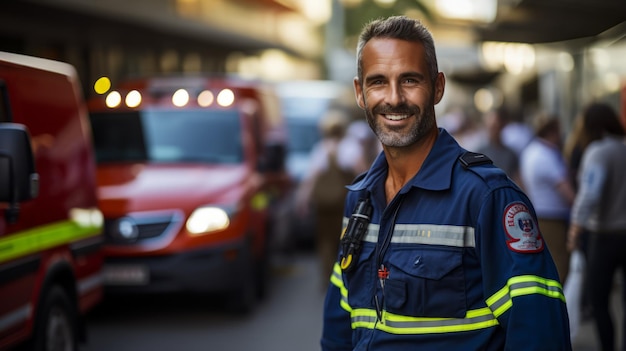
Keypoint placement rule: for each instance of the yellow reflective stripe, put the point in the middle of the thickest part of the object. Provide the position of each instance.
(502, 300)
(397, 324)
(337, 281)
(43, 237)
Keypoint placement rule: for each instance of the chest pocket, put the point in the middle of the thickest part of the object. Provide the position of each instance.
(426, 282)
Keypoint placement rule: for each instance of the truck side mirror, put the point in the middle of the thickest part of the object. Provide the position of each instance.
(18, 179)
(274, 160)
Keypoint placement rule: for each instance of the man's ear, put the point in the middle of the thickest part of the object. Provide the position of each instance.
(440, 87)
(358, 91)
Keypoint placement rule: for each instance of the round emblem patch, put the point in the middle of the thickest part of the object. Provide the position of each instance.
(521, 229)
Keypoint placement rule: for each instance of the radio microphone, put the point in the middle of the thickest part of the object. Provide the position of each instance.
(353, 236)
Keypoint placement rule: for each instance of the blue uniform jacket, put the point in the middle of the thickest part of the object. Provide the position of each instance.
(467, 266)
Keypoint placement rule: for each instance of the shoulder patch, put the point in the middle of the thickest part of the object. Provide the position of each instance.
(470, 159)
(521, 229)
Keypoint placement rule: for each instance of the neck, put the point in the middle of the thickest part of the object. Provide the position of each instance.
(405, 162)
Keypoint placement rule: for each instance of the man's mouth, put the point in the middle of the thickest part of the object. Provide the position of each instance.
(396, 117)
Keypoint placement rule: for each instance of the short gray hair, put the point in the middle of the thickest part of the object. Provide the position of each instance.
(403, 28)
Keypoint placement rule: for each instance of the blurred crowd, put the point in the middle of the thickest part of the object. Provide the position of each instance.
(575, 180)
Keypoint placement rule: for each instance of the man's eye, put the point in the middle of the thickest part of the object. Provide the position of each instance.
(410, 81)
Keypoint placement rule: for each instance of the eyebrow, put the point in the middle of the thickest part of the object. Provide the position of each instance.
(375, 77)
(418, 75)
(411, 74)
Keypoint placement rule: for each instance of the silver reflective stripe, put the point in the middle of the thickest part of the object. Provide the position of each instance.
(428, 234)
(501, 301)
(532, 283)
(431, 234)
(366, 319)
(481, 318)
(500, 305)
(372, 231)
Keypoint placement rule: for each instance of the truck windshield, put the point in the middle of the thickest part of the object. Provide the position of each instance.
(168, 136)
(302, 116)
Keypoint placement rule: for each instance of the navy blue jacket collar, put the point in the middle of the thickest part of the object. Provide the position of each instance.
(435, 173)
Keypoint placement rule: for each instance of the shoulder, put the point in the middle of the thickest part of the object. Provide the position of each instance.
(593, 149)
(607, 142)
(602, 149)
(480, 168)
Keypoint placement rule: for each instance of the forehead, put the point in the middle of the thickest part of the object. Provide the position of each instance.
(386, 53)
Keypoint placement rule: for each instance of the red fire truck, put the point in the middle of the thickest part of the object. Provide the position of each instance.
(189, 169)
(50, 227)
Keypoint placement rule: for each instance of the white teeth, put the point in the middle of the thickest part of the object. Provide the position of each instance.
(396, 117)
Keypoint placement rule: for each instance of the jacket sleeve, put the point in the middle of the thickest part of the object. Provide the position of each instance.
(337, 330)
(520, 280)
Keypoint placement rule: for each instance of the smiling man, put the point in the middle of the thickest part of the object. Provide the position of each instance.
(443, 251)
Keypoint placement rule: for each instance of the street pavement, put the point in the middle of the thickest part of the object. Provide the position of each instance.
(586, 338)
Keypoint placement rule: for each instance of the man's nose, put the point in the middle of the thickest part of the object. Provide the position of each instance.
(395, 94)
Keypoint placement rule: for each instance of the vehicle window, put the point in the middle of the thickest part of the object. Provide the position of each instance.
(302, 116)
(304, 107)
(303, 134)
(207, 136)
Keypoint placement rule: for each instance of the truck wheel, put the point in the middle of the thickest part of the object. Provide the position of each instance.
(55, 326)
(262, 273)
(244, 298)
(262, 277)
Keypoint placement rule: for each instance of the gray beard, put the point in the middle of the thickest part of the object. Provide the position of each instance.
(424, 122)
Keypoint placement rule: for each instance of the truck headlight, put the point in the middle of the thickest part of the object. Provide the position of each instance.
(87, 217)
(207, 219)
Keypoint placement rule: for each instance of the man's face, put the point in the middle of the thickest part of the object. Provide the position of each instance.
(396, 92)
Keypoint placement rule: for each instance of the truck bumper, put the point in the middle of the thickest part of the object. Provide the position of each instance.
(203, 270)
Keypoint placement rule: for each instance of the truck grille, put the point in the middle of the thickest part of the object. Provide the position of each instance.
(138, 228)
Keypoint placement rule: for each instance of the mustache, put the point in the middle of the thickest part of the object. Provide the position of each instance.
(400, 109)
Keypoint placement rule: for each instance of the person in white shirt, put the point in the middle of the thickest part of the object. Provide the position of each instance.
(545, 178)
